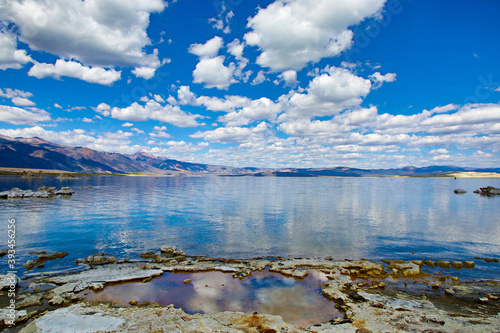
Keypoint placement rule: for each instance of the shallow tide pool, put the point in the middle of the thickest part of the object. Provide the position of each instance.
(298, 302)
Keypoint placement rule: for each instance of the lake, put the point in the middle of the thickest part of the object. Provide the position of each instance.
(246, 217)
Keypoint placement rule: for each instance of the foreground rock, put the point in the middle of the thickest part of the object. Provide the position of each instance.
(102, 318)
(488, 191)
(42, 258)
(8, 281)
(42, 192)
(99, 259)
(367, 312)
(101, 274)
(363, 290)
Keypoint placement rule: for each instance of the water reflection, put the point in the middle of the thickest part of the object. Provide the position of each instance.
(250, 217)
(300, 303)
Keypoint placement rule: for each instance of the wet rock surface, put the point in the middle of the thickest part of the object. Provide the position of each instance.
(42, 192)
(42, 258)
(99, 259)
(488, 191)
(372, 297)
(86, 318)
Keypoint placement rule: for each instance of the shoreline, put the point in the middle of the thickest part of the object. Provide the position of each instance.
(373, 297)
(37, 173)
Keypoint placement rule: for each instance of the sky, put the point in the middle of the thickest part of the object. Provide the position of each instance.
(286, 83)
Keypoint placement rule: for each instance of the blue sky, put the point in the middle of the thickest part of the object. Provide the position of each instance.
(296, 83)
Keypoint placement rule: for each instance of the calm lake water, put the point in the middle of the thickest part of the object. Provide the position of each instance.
(246, 217)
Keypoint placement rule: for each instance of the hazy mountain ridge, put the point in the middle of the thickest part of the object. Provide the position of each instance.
(36, 153)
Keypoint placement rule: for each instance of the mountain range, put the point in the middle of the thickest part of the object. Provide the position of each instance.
(36, 153)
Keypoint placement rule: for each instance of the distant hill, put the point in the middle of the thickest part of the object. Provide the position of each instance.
(36, 153)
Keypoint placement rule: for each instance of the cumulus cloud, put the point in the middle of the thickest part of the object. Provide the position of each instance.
(214, 74)
(440, 151)
(144, 72)
(109, 141)
(261, 77)
(18, 116)
(160, 132)
(21, 101)
(151, 110)
(283, 31)
(240, 110)
(17, 97)
(10, 56)
(234, 134)
(378, 79)
(235, 48)
(11, 93)
(221, 22)
(289, 77)
(255, 110)
(208, 50)
(75, 70)
(96, 33)
(334, 90)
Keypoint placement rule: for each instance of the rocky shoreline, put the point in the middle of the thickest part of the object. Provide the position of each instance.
(42, 192)
(373, 296)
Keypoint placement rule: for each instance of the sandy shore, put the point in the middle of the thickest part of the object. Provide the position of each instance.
(392, 296)
(474, 174)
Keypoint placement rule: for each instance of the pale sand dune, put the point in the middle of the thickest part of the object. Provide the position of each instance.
(475, 174)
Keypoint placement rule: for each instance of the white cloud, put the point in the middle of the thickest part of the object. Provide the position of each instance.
(152, 110)
(96, 33)
(137, 131)
(175, 149)
(234, 134)
(21, 101)
(208, 50)
(443, 109)
(290, 77)
(158, 98)
(235, 48)
(18, 116)
(335, 90)
(57, 106)
(378, 79)
(260, 109)
(440, 151)
(11, 93)
(213, 73)
(284, 30)
(221, 22)
(185, 95)
(306, 128)
(144, 72)
(109, 141)
(87, 120)
(227, 104)
(261, 77)
(103, 109)
(127, 124)
(10, 56)
(75, 70)
(160, 132)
